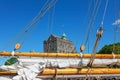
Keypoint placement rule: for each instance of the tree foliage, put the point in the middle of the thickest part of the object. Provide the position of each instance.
(108, 49)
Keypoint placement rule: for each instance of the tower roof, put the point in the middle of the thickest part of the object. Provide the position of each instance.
(64, 36)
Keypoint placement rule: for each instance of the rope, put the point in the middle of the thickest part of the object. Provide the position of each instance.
(92, 23)
(52, 21)
(97, 40)
(115, 29)
(55, 76)
(48, 27)
(99, 34)
(89, 21)
(26, 38)
(95, 11)
(104, 12)
(94, 51)
(81, 59)
(86, 17)
(42, 14)
(48, 4)
(20, 34)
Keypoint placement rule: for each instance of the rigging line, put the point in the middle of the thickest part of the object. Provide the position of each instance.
(36, 18)
(88, 44)
(26, 38)
(27, 27)
(95, 47)
(43, 12)
(113, 50)
(13, 39)
(33, 21)
(92, 23)
(10, 42)
(88, 11)
(47, 32)
(104, 13)
(50, 5)
(37, 21)
(87, 15)
(115, 28)
(50, 23)
(34, 26)
(93, 52)
(119, 24)
(46, 9)
(31, 30)
(86, 18)
(53, 17)
(89, 21)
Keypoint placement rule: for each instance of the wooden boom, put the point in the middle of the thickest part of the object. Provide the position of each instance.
(71, 71)
(36, 54)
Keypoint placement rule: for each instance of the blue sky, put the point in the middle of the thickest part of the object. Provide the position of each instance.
(70, 17)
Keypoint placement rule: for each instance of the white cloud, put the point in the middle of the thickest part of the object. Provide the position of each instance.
(117, 22)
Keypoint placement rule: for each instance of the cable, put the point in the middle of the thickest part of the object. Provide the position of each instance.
(48, 4)
(89, 22)
(52, 21)
(37, 22)
(86, 18)
(104, 12)
(99, 34)
(92, 23)
(115, 29)
(20, 34)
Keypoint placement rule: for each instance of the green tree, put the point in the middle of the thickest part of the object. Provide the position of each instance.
(107, 49)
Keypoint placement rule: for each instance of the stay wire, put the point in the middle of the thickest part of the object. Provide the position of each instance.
(89, 22)
(26, 29)
(86, 18)
(35, 19)
(33, 22)
(113, 50)
(50, 5)
(93, 22)
(104, 12)
(20, 34)
(52, 21)
(89, 5)
(96, 43)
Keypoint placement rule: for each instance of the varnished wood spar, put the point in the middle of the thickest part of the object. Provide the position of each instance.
(8, 72)
(71, 71)
(36, 54)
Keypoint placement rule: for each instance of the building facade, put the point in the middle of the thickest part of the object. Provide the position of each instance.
(58, 44)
